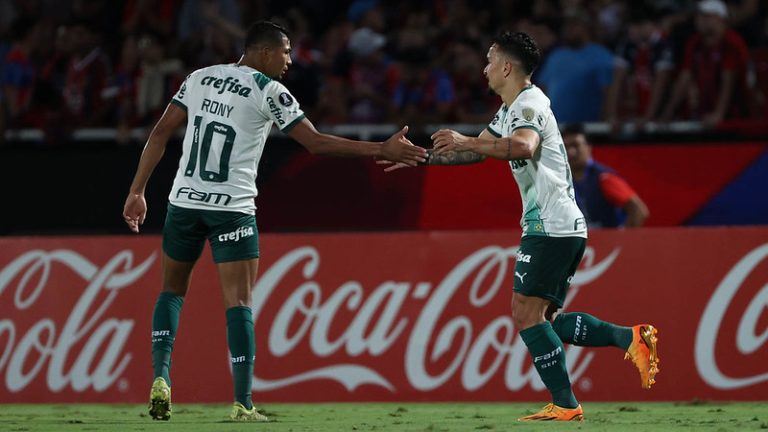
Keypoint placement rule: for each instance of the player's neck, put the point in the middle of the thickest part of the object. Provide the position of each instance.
(247, 61)
(513, 89)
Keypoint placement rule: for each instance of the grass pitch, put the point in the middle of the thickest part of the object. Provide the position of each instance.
(430, 417)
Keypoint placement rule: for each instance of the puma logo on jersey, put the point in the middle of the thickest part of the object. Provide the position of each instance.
(227, 84)
(521, 276)
(237, 234)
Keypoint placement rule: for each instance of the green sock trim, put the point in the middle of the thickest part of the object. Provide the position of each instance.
(165, 322)
(582, 329)
(242, 348)
(548, 356)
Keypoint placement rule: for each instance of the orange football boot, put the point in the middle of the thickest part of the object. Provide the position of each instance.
(642, 352)
(552, 412)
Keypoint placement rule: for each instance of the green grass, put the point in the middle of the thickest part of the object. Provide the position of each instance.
(432, 417)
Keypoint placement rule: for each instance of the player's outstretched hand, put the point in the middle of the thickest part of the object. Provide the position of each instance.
(400, 149)
(446, 140)
(134, 211)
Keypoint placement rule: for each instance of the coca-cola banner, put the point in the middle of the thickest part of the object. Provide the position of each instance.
(389, 316)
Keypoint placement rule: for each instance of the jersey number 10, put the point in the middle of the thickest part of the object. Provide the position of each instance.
(202, 150)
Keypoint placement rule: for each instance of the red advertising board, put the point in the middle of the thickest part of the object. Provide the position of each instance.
(421, 316)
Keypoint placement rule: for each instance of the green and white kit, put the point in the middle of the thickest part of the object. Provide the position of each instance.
(230, 112)
(546, 186)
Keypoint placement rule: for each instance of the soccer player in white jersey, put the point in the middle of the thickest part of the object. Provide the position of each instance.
(229, 110)
(525, 133)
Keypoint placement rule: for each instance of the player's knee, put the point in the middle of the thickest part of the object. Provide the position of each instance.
(525, 316)
(551, 312)
(175, 289)
(237, 297)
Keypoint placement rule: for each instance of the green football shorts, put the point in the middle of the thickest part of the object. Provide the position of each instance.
(545, 266)
(233, 235)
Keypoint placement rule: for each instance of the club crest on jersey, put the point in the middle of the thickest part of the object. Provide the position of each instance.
(227, 84)
(285, 99)
(528, 114)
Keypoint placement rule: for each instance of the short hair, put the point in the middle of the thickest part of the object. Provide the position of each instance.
(521, 46)
(574, 129)
(265, 33)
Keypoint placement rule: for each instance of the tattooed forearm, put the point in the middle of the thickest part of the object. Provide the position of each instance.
(454, 158)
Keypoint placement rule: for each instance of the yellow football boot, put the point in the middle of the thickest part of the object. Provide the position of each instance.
(160, 400)
(240, 413)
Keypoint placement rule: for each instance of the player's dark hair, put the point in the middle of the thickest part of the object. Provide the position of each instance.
(573, 129)
(520, 46)
(265, 33)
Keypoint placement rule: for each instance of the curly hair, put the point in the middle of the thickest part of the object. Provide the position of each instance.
(520, 46)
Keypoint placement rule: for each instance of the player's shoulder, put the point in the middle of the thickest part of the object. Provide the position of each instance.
(531, 97)
(274, 91)
(203, 71)
(195, 77)
(268, 85)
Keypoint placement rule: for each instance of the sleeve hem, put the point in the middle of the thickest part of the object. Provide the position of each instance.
(493, 132)
(537, 130)
(292, 124)
(179, 104)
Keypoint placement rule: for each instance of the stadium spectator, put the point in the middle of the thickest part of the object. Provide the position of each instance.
(49, 87)
(143, 82)
(367, 14)
(747, 17)
(154, 16)
(474, 103)
(304, 78)
(209, 31)
(86, 78)
(644, 68)
(326, 73)
(19, 71)
(370, 77)
(578, 95)
(605, 199)
(609, 17)
(713, 81)
(422, 92)
(8, 16)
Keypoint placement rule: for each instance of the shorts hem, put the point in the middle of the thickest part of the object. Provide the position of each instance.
(551, 298)
(233, 259)
(175, 258)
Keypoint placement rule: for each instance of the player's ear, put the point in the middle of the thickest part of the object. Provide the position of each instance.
(507, 68)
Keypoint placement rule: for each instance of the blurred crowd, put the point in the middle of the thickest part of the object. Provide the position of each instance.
(95, 63)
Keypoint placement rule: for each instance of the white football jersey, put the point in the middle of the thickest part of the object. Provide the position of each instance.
(545, 182)
(230, 111)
